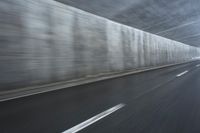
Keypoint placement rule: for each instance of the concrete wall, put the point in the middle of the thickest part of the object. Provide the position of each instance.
(44, 41)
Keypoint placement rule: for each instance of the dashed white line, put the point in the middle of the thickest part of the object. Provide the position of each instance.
(94, 119)
(198, 65)
(181, 74)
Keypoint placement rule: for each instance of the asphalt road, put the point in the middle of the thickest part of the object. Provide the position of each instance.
(160, 101)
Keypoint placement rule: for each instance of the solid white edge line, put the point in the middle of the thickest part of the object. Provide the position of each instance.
(181, 74)
(94, 119)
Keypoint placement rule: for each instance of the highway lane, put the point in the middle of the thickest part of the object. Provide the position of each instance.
(160, 101)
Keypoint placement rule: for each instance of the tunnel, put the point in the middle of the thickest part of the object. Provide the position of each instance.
(99, 66)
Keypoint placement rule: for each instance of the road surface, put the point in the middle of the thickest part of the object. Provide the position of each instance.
(159, 101)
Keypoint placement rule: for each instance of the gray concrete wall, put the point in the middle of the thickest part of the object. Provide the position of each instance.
(45, 41)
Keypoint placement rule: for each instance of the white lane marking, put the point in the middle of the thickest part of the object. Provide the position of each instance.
(198, 65)
(181, 74)
(94, 119)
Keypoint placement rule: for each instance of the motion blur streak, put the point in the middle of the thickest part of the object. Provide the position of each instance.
(53, 54)
(45, 42)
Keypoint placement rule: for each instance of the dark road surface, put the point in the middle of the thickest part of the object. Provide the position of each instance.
(159, 101)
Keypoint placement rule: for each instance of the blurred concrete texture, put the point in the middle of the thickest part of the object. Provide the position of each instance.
(42, 42)
(174, 19)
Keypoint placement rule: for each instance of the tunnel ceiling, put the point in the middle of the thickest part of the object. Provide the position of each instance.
(174, 19)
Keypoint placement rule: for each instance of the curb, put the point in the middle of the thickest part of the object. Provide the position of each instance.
(28, 91)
